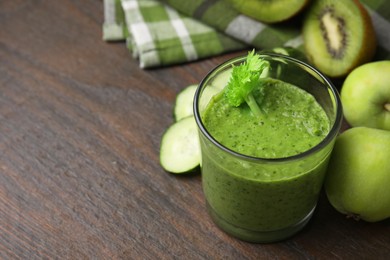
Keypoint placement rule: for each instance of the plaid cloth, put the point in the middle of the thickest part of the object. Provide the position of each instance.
(114, 27)
(167, 32)
(158, 35)
(220, 15)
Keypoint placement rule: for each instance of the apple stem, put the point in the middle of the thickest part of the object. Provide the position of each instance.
(387, 107)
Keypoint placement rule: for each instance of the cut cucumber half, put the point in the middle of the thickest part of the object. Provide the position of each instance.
(180, 148)
(184, 102)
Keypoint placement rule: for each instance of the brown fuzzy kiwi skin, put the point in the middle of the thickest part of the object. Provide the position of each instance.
(366, 52)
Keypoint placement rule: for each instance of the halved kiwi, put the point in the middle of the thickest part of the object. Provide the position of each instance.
(269, 11)
(338, 36)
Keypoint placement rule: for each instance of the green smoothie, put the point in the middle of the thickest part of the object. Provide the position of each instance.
(292, 122)
(260, 192)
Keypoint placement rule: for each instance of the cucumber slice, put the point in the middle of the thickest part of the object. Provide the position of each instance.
(222, 80)
(180, 148)
(184, 102)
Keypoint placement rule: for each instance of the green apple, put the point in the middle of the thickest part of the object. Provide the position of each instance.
(365, 95)
(358, 176)
(269, 11)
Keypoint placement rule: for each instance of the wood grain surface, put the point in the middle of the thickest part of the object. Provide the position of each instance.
(80, 130)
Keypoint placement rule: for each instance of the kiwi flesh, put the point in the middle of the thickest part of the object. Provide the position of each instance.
(269, 11)
(338, 36)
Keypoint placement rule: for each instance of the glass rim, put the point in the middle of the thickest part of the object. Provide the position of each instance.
(324, 142)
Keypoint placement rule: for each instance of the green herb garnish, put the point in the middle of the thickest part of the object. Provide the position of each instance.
(244, 79)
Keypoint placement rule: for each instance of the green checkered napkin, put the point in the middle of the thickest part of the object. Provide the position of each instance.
(220, 15)
(114, 27)
(158, 35)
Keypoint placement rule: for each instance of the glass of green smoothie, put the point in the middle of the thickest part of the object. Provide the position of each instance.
(262, 173)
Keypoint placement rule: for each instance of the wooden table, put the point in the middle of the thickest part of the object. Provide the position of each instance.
(80, 130)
